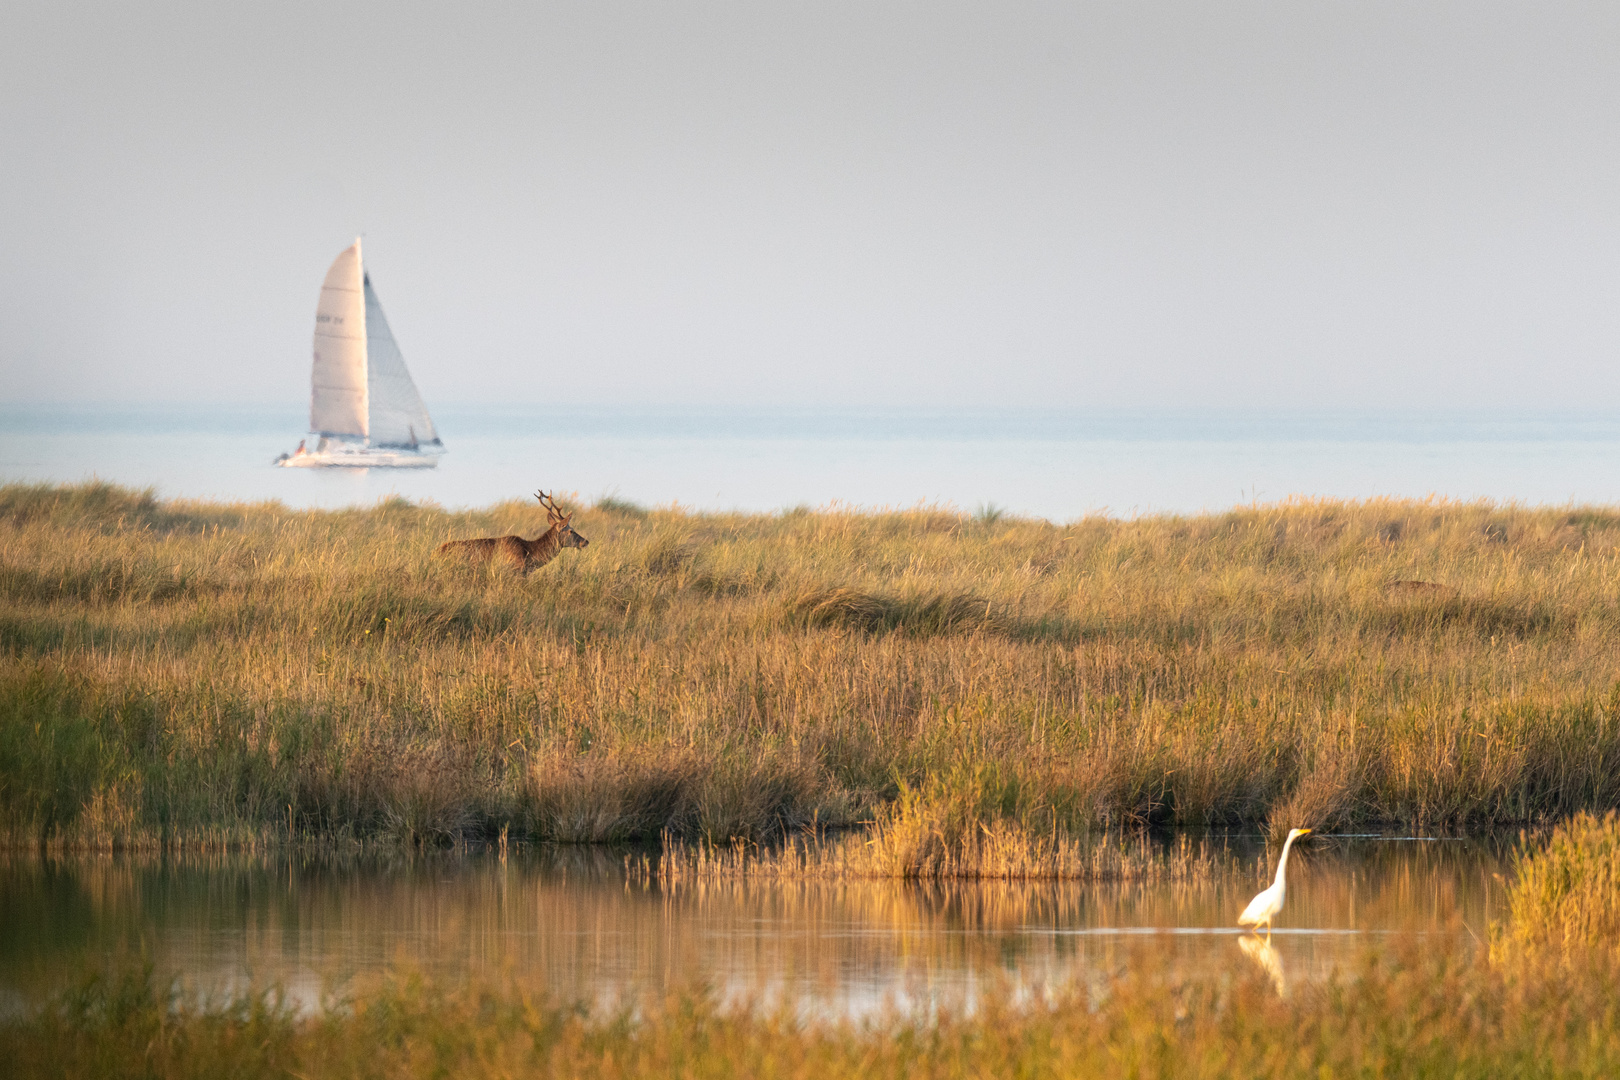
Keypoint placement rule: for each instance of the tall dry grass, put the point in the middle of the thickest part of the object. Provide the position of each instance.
(995, 849)
(181, 672)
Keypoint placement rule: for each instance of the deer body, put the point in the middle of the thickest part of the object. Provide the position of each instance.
(527, 555)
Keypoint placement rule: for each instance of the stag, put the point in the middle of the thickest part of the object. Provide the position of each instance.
(525, 554)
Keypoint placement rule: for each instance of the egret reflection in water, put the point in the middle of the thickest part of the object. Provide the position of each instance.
(1267, 959)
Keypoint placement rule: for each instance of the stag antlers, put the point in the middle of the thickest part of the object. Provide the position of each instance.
(553, 511)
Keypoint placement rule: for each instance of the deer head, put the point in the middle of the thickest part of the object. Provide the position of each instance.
(566, 536)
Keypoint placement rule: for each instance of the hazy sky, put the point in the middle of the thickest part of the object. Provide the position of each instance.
(1267, 204)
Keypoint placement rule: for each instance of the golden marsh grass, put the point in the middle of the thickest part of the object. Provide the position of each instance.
(912, 848)
(1414, 1011)
(212, 674)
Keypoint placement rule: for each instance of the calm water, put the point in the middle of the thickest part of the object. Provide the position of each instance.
(1058, 465)
(572, 920)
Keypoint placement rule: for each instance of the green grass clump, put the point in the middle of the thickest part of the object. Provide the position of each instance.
(1565, 897)
(200, 673)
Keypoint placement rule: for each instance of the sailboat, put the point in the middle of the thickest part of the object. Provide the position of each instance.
(364, 410)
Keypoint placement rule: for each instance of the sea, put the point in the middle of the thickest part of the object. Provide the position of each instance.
(1053, 464)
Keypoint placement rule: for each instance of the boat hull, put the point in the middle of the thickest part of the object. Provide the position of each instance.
(361, 458)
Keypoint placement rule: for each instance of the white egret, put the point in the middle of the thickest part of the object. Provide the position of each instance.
(1264, 907)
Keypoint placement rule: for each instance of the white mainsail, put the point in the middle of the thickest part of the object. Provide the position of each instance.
(337, 396)
(363, 407)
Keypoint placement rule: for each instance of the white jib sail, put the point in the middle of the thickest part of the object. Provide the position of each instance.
(337, 397)
(398, 417)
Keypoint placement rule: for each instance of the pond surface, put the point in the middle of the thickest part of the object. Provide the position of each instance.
(574, 922)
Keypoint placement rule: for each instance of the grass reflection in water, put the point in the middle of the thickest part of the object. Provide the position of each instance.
(574, 922)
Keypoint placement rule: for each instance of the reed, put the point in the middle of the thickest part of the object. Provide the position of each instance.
(202, 673)
(1421, 1011)
(995, 849)
(961, 825)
